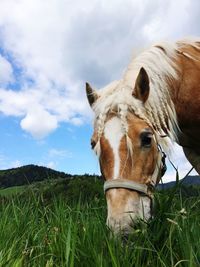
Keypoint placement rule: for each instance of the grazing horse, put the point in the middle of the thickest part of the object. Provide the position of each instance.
(136, 118)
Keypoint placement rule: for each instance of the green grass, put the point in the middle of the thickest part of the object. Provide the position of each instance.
(37, 231)
(11, 190)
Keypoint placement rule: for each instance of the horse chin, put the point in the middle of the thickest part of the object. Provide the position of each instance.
(123, 222)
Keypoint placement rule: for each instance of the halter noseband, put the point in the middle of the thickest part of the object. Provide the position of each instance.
(145, 189)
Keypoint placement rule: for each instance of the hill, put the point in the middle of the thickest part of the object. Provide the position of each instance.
(27, 175)
(32, 173)
(187, 181)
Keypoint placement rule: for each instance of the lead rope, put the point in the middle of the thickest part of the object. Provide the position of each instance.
(176, 169)
(160, 167)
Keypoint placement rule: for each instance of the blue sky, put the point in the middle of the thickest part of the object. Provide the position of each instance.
(66, 149)
(49, 49)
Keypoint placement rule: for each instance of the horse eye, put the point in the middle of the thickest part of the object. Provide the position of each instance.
(146, 139)
(93, 144)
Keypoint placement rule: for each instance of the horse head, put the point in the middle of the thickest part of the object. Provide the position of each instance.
(126, 144)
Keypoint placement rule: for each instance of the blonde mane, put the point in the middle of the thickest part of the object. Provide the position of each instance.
(158, 111)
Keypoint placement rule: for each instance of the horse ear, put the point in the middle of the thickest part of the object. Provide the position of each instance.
(91, 94)
(141, 90)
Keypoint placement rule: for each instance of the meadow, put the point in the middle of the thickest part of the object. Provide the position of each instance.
(63, 224)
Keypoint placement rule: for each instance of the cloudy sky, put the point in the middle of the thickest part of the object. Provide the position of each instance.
(49, 48)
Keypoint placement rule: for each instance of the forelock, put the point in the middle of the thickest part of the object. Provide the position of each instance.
(121, 111)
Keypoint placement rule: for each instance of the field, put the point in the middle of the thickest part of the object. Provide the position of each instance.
(42, 228)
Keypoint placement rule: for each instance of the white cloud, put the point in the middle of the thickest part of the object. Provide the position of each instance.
(59, 153)
(39, 122)
(54, 156)
(51, 165)
(6, 71)
(15, 164)
(7, 163)
(57, 45)
(180, 162)
(170, 21)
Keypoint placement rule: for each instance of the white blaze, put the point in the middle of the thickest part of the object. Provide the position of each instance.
(133, 208)
(113, 133)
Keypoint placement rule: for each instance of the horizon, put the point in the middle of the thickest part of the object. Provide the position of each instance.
(89, 174)
(44, 63)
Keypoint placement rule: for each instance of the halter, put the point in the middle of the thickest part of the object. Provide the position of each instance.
(145, 189)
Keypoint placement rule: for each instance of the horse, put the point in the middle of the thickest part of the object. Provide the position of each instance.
(137, 120)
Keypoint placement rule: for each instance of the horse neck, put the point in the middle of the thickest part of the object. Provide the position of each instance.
(185, 92)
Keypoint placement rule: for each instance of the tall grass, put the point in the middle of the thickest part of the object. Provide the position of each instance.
(38, 232)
